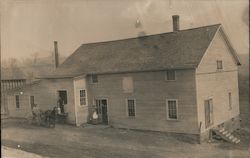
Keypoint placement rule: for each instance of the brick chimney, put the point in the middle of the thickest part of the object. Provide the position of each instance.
(176, 23)
(56, 54)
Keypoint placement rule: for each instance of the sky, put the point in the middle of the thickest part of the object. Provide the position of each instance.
(31, 26)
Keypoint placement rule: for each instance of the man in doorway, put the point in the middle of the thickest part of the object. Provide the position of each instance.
(60, 102)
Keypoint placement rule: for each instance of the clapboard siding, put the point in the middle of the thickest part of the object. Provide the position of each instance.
(45, 93)
(150, 91)
(81, 111)
(216, 84)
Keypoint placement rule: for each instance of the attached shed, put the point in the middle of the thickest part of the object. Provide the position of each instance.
(44, 93)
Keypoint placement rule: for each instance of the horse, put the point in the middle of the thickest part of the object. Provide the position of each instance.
(50, 117)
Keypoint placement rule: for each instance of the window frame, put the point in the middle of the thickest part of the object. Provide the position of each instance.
(101, 98)
(166, 75)
(66, 95)
(167, 110)
(219, 64)
(91, 79)
(85, 97)
(17, 100)
(127, 108)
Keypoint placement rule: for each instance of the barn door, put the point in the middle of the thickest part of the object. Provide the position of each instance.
(208, 112)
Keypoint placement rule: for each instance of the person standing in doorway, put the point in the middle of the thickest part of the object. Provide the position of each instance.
(61, 104)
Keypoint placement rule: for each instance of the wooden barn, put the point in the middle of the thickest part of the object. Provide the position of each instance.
(185, 81)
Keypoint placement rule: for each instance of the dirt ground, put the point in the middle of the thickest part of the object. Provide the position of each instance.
(8, 152)
(65, 141)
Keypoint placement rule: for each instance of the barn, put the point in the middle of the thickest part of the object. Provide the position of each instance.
(185, 81)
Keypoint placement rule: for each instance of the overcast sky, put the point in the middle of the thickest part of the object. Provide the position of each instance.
(31, 26)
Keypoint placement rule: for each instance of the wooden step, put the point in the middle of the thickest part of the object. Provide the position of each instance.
(222, 130)
(231, 137)
(234, 140)
(225, 132)
(226, 135)
(238, 141)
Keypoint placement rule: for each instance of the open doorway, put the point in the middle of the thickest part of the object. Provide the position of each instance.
(102, 110)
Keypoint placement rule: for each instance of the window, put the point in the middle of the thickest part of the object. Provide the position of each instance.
(170, 75)
(17, 101)
(32, 101)
(219, 64)
(82, 97)
(127, 85)
(131, 107)
(230, 100)
(94, 78)
(63, 95)
(172, 109)
(208, 113)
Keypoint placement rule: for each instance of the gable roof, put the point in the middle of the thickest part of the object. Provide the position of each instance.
(173, 50)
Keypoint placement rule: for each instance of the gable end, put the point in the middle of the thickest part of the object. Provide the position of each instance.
(232, 50)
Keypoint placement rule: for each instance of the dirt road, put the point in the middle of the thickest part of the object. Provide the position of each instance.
(67, 141)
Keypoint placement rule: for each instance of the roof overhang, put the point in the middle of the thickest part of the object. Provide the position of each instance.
(230, 46)
(228, 43)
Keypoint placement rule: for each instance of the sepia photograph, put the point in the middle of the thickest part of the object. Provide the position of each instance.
(125, 79)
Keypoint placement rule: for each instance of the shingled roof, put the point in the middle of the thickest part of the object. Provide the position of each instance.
(173, 50)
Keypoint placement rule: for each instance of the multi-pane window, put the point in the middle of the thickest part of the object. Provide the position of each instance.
(94, 78)
(127, 84)
(32, 101)
(170, 75)
(230, 100)
(17, 101)
(219, 64)
(82, 97)
(131, 107)
(172, 109)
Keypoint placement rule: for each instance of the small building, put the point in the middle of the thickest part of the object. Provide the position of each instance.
(185, 81)
(7, 84)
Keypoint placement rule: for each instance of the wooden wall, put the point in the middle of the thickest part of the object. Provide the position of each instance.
(216, 84)
(45, 94)
(81, 111)
(150, 91)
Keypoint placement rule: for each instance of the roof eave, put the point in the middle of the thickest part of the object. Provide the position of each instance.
(229, 44)
(149, 70)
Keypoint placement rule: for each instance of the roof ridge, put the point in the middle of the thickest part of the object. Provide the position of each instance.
(114, 40)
